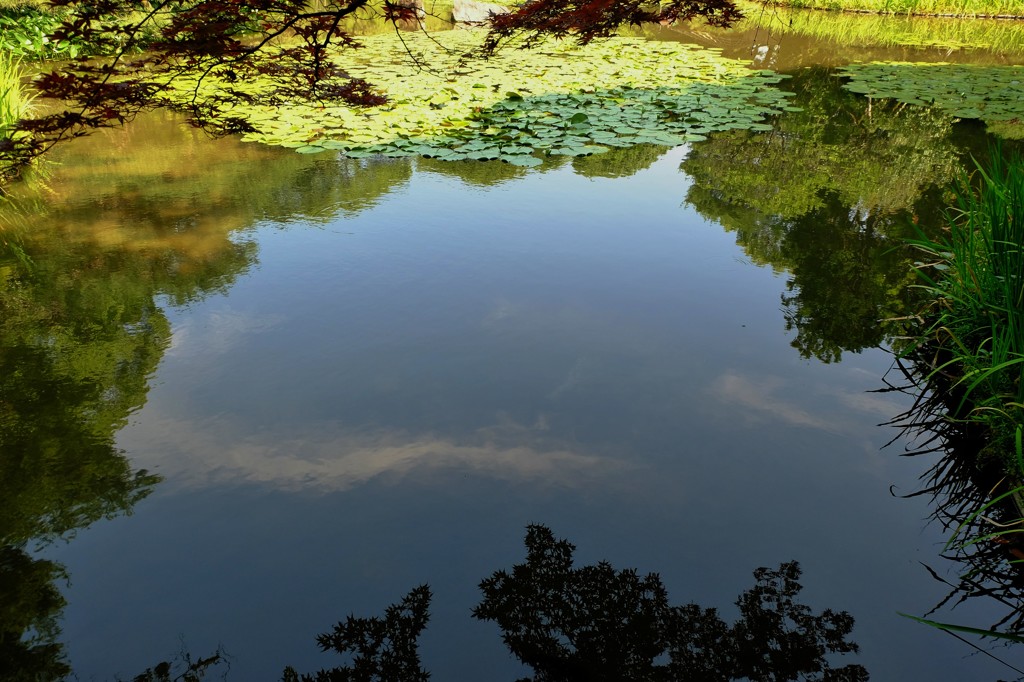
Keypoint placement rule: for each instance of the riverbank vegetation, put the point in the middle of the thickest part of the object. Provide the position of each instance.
(15, 101)
(886, 29)
(966, 371)
(975, 325)
(951, 8)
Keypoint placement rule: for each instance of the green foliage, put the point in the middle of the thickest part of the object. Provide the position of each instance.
(960, 8)
(15, 101)
(619, 163)
(971, 355)
(994, 634)
(30, 606)
(975, 273)
(880, 159)
(884, 30)
(988, 536)
(25, 32)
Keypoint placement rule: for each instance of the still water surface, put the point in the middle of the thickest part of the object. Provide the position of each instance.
(357, 377)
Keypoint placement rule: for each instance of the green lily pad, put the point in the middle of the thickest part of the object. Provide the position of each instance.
(568, 100)
(988, 93)
(524, 161)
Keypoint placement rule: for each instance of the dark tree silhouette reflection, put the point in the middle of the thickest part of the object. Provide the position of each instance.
(596, 623)
(379, 648)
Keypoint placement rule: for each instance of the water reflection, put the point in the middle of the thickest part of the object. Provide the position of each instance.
(83, 257)
(131, 223)
(79, 338)
(618, 162)
(783, 39)
(214, 452)
(595, 623)
(828, 197)
(972, 498)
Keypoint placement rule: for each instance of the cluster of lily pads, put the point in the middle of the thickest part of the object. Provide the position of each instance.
(993, 94)
(555, 99)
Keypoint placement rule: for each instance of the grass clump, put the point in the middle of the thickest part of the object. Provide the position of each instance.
(976, 275)
(15, 101)
(967, 369)
(15, 104)
(958, 8)
(891, 30)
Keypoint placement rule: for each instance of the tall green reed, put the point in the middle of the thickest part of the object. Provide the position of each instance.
(976, 275)
(15, 104)
(15, 101)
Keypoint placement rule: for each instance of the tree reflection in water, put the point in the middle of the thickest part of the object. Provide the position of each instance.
(83, 258)
(596, 623)
(80, 333)
(828, 196)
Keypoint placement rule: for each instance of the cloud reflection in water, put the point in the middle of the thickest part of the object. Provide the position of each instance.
(199, 454)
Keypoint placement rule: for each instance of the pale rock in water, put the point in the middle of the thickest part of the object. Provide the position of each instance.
(473, 12)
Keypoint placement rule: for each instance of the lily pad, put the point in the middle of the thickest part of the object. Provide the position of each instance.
(568, 100)
(988, 93)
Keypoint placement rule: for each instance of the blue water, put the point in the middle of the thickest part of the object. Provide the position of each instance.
(395, 388)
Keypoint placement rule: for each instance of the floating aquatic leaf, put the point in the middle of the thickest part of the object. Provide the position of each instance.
(524, 161)
(989, 93)
(484, 154)
(567, 100)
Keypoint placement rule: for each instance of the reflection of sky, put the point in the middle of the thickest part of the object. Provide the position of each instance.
(200, 454)
(450, 366)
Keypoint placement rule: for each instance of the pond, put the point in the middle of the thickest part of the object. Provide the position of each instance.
(257, 391)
